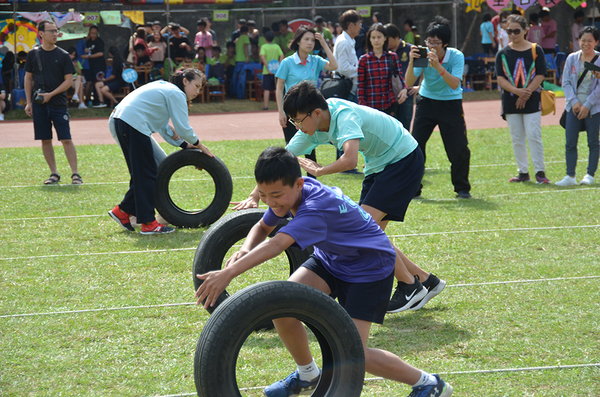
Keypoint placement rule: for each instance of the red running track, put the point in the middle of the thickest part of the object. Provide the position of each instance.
(236, 126)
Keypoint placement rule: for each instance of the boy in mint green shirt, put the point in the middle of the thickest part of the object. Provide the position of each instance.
(269, 52)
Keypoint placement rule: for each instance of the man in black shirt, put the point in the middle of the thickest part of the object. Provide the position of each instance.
(48, 74)
(94, 53)
(180, 45)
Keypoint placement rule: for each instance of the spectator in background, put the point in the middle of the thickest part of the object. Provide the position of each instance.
(502, 35)
(344, 52)
(160, 49)
(549, 26)
(78, 81)
(331, 27)
(94, 53)
(325, 32)
(521, 101)
(583, 106)
(8, 65)
(376, 18)
(80, 46)
(201, 59)
(337, 32)
(486, 30)
(180, 45)
(409, 36)
(3, 102)
(167, 31)
(416, 35)
(440, 102)
(269, 52)
(375, 71)
(404, 110)
(253, 33)
(236, 33)
(360, 40)
(114, 82)
(209, 30)
(228, 60)
(577, 26)
(141, 40)
(261, 39)
(49, 73)
(242, 57)
(299, 67)
(285, 38)
(203, 38)
(536, 32)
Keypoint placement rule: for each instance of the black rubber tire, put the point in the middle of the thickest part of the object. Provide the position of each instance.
(230, 325)
(223, 235)
(215, 168)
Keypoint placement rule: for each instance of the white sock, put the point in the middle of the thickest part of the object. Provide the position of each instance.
(308, 372)
(426, 380)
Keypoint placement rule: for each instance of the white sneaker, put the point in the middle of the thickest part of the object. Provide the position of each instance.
(82, 106)
(76, 98)
(100, 106)
(587, 180)
(2, 118)
(567, 181)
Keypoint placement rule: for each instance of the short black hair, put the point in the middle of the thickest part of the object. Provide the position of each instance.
(91, 27)
(230, 44)
(377, 15)
(242, 21)
(269, 36)
(392, 30)
(409, 22)
(534, 17)
(318, 19)
(201, 22)
(348, 17)
(591, 30)
(277, 164)
(42, 25)
(275, 26)
(216, 48)
(244, 29)
(175, 26)
(544, 13)
(578, 14)
(487, 17)
(139, 47)
(440, 28)
(71, 50)
(303, 97)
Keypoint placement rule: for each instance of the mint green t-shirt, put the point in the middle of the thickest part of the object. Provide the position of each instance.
(242, 41)
(270, 51)
(383, 139)
(434, 86)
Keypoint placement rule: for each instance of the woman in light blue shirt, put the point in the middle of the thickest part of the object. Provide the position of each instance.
(141, 113)
(299, 67)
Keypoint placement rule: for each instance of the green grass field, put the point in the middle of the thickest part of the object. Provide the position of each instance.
(522, 262)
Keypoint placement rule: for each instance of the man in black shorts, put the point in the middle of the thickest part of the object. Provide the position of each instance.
(49, 73)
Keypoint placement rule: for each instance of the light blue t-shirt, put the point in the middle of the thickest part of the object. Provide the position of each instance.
(383, 139)
(293, 71)
(349, 243)
(434, 86)
(149, 108)
(486, 28)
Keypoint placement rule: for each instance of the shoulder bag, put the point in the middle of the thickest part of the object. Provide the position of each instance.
(548, 98)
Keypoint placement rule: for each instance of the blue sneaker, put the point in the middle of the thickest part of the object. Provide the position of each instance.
(292, 386)
(441, 389)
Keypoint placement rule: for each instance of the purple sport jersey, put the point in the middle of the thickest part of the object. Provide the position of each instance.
(346, 239)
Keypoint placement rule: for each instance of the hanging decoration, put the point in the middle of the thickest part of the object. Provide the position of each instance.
(498, 5)
(474, 5)
(26, 35)
(576, 3)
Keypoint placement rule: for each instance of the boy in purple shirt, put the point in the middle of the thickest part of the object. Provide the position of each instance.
(353, 260)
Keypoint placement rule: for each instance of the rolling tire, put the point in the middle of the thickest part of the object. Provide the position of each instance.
(223, 235)
(230, 325)
(215, 168)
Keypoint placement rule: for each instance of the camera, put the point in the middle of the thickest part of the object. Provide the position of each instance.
(421, 62)
(37, 98)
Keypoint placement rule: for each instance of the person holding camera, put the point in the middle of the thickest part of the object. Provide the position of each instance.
(439, 102)
(48, 74)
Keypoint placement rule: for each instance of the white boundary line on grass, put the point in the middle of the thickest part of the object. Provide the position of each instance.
(193, 303)
(474, 372)
(519, 229)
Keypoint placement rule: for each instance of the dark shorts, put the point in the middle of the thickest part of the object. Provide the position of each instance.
(114, 86)
(392, 189)
(362, 301)
(43, 119)
(268, 82)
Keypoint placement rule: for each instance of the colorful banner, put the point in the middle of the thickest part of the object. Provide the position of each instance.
(135, 16)
(221, 15)
(113, 17)
(474, 5)
(498, 5)
(26, 35)
(525, 4)
(364, 12)
(575, 3)
(547, 3)
(72, 31)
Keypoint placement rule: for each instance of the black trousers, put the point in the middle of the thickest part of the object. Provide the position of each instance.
(137, 149)
(449, 116)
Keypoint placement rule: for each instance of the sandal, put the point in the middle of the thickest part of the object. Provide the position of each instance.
(54, 178)
(76, 179)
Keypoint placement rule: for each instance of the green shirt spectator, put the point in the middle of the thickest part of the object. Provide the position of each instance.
(241, 47)
(270, 51)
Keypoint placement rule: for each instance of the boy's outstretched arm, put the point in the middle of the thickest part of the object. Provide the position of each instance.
(216, 282)
(347, 161)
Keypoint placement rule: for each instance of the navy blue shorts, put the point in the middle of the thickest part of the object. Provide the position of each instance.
(268, 82)
(392, 189)
(43, 119)
(362, 301)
